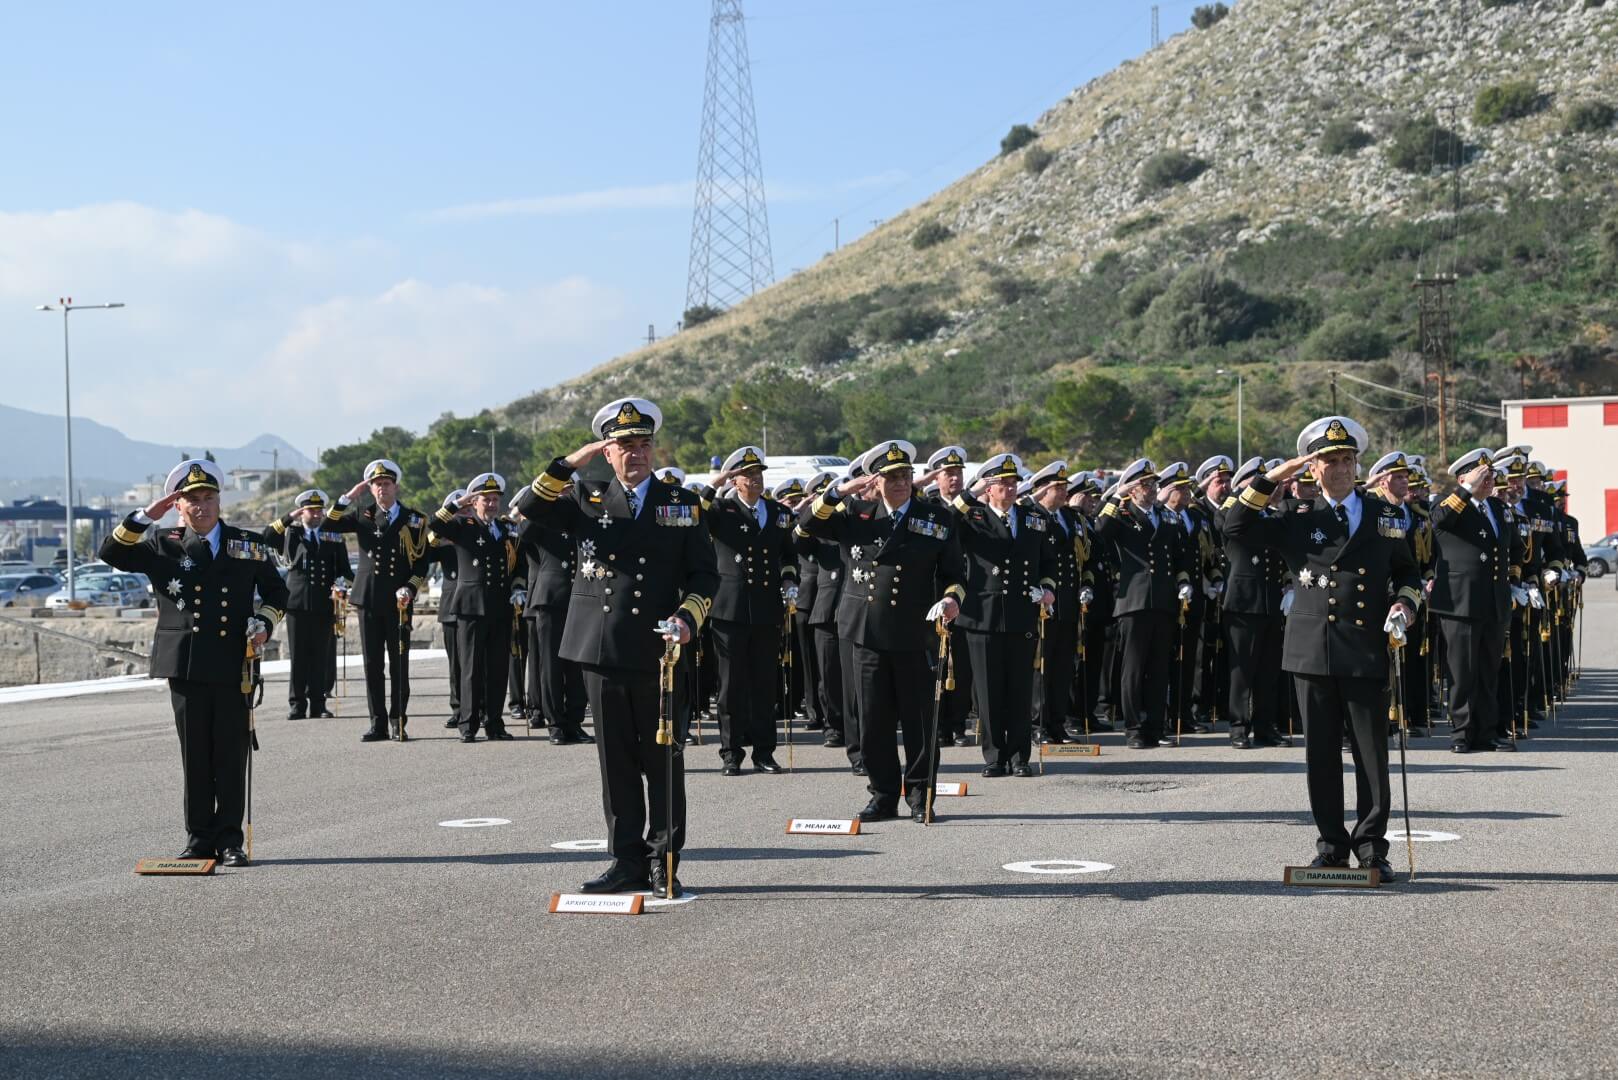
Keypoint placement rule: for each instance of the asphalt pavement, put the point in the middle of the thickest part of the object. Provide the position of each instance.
(372, 939)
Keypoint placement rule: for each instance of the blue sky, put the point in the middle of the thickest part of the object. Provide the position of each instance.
(325, 218)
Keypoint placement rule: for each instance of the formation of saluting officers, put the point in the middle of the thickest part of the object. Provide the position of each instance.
(899, 603)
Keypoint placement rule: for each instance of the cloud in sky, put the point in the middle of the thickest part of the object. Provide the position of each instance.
(647, 197)
(231, 331)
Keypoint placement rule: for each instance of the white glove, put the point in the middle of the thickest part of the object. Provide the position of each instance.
(1568, 576)
(1519, 596)
(1395, 625)
(519, 597)
(1213, 589)
(1185, 593)
(673, 629)
(257, 626)
(1035, 593)
(1286, 601)
(1550, 577)
(1087, 595)
(936, 612)
(790, 592)
(1535, 598)
(402, 595)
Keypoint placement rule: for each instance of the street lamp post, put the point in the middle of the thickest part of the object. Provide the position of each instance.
(490, 434)
(1222, 371)
(275, 480)
(764, 428)
(66, 306)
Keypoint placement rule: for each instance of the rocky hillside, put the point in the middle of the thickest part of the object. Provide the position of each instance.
(1257, 195)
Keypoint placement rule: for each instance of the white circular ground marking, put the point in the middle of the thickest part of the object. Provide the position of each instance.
(1423, 836)
(580, 845)
(1058, 866)
(683, 898)
(475, 822)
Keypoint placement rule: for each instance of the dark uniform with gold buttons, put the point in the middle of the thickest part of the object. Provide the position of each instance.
(393, 556)
(901, 559)
(315, 565)
(1150, 550)
(556, 686)
(1069, 542)
(1350, 564)
(753, 549)
(644, 556)
(1251, 613)
(204, 585)
(1204, 566)
(1211, 687)
(1010, 562)
(1390, 476)
(834, 691)
(488, 583)
(1096, 585)
(441, 553)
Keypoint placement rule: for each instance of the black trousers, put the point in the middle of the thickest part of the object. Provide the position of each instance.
(384, 666)
(556, 685)
(1146, 651)
(635, 770)
(211, 719)
(484, 642)
(1056, 684)
(893, 695)
(828, 688)
(1211, 690)
(452, 649)
(749, 658)
(517, 689)
(331, 658)
(1110, 696)
(1256, 706)
(309, 643)
(1090, 682)
(853, 730)
(1183, 660)
(957, 703)
(806, 670)
(1331, 706)
(1472, 649)
(1414, 670)
(1004, 690)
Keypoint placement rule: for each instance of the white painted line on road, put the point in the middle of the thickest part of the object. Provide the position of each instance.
(580, 845)
(1058, 866)
(683, 898)
(1423, 836)
(475, 822)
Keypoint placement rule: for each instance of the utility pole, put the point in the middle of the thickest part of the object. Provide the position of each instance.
(1157, 38)
(1334, 391)
(651, 334)
(275, 479)
(836, 234)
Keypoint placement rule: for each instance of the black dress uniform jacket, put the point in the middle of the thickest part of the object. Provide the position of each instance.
(486, 568)
(549, 553)
(393, 555)
(1002, 570)
(1255, 574)
(754, 562)
(1476, 563)
(1151, 564)
(314, 566)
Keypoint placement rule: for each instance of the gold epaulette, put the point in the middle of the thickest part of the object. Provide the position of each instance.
(1254, 499)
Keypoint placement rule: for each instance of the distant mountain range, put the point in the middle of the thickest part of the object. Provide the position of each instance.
(106, 461)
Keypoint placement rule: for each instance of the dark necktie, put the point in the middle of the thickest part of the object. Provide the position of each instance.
(629, 496)
(1342, 515)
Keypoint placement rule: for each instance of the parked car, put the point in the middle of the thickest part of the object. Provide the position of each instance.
(26, 590)
(105, 590)
(1603, 556)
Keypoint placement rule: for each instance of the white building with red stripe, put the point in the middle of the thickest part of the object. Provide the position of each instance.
(1577, 438)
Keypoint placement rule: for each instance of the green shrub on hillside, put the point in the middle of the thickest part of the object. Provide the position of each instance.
(1588, 116)
(1344, 136)
(929, 233)
(1419, 143)
(1199, 309)
(1498, 3)
(1609, 240)
(897, 325)
(1170, 168)
(1208, 14)
(1008, 288)
(1139, 294)
(1344, 337)
(1018, 137)
(821, 346)
(1036, 160)
(701, 313)
(1145, 223)
(1506, 101)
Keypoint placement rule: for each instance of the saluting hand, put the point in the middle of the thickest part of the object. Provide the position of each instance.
(162, 506)
(587, 453)
(1288, 469)
(353, 492)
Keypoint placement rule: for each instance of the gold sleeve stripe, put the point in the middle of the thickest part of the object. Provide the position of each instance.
(546, 482)
(442, 515)
(1110, 510)
(1254, 499)
(270, 614)
(1183, 578)
(1411, 595)
(960, 503)
(418, 583)
(126, 536)
(337, 511)
(958, 592)
(1455, 502)
(1230, 501)
(697, 607)
(279, 526)
(797, 530)
(821, 509)
(1048, 583)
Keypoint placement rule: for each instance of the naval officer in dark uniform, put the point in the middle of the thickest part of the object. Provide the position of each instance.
(488, 585)
(1355, 578)
(393, 546)
(903, 553)
(1254, 626)
(315, 566)
(646, 571)
(556, 685)
(204, 574)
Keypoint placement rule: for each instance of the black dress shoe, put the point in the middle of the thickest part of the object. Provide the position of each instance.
(297, 714)
(918, 814)
(1056, 737)
(815, 725)
(234, 856)
(963, 740)
(452, 723)
(579, 735)
(660, 883)
(1240, 742)
(997, 768)
(469, 736)
(1201, 729)
(1102, 726)
(499, 733)
(324, 713)
(519, 713)
(1504, 744)
(859, 770)
(1138, 743)
(834, 739)
(198, 853)
(877, 810)
(1459, 748)
(731, 768)
(766, 763)
(618, 879)
(1384, 870)
(1022, 770)
(1332, 862)
(374, 736)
